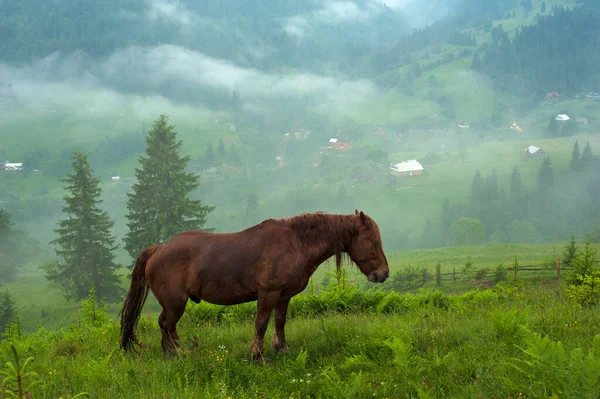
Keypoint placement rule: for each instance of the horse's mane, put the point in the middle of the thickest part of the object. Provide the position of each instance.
(339, 230)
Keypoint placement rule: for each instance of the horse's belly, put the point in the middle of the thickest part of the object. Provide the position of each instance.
(227, 295)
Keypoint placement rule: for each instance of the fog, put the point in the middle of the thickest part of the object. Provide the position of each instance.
(334, 69)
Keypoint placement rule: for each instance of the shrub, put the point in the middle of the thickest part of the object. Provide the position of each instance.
(410, 278)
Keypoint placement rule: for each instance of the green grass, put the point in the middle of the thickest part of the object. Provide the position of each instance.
(463, 347)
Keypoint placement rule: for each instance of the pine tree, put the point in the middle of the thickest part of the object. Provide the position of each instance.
(159, 207)
(8, 310)
(85, 244)
(575, 157)
(477, 188)
(17, 247)
(210, 155)
(587, 157)
(569, 253)
(516, 186)
(545, 178)
(221, 149)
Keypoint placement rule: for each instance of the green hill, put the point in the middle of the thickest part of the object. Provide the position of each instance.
(354, 74)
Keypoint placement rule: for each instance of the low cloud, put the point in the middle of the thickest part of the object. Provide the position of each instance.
(173, 11)
(142, 80)
(331, 12)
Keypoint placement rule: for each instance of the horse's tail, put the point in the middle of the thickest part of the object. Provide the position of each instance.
(136, 297)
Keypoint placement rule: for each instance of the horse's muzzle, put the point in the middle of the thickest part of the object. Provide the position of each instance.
(378, 277)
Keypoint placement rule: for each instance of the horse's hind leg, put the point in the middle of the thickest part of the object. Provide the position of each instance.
(168, 325)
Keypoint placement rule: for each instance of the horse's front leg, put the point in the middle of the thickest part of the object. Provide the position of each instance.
(265, 304)
(279, 343)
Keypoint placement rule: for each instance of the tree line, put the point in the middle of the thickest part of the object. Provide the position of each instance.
(559, 53)
(559, 204)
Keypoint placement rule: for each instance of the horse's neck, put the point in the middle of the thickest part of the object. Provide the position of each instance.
(331, 239)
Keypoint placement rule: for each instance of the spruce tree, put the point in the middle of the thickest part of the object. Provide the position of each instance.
(210, 155)
(8, 310)
(17, 247)
(477, 189)
(85, 243)
(587, 157)
(221, 149)
(569, 253)
(160, 207)
(575, 157)
(545, 178)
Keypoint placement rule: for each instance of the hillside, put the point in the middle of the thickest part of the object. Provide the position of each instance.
(406, 104)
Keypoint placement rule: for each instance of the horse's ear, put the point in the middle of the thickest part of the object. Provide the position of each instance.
(362, 216)
(356, 212)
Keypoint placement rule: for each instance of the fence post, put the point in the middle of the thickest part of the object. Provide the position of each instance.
(558, 267)
(454, 273)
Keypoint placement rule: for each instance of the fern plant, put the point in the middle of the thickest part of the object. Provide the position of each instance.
(17, 375)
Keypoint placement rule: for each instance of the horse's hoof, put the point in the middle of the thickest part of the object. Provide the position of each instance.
(260, 360)
(281, 348)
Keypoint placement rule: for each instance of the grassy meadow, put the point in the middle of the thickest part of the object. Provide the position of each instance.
(514, 341)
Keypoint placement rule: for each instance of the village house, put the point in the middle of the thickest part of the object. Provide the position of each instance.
(338, 145)
(534, 152)
(412, 167)
(8, 166)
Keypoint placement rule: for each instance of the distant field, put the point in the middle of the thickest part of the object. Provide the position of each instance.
(38, 304)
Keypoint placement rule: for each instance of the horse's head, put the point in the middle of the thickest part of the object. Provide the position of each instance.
(366, 250)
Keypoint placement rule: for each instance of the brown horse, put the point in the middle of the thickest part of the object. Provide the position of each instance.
(269, 262)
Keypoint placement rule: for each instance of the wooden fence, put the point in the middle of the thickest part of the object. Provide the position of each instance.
(453, 276)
